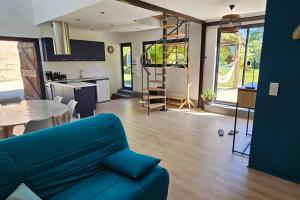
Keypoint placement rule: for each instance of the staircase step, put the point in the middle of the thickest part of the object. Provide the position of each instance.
(120, 95)
(168, 26)
(160, 74)
(156, 81)
(175, 35)
(154, 97)
(155, 105)
(154, 89)
(177, 44)
(125, 91)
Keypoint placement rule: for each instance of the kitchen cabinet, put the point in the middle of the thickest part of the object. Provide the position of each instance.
(81, 50)
(103, 89)
(84, 95)
(48, 91)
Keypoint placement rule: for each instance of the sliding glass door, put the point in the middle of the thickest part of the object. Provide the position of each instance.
(126, 60)
(238, 61)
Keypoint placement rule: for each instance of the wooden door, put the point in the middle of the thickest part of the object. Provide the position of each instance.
(30, 70)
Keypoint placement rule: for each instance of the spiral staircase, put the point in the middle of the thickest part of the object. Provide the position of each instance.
(154, 77)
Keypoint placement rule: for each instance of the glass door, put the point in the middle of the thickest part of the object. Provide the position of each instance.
(238, 61)
(126, 61)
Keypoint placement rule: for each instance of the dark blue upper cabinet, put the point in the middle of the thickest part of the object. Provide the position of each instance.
(81, 50)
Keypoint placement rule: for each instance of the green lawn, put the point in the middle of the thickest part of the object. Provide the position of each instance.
(248, 77)
(127, 79)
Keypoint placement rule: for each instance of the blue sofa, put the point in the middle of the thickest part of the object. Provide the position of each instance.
(66, 163)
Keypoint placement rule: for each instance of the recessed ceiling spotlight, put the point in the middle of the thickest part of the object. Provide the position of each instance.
(102, 12)
(78, 20)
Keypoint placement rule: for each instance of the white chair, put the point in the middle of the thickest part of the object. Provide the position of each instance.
(58, 99)
(35, 125)
(72, 105)
(1, 129)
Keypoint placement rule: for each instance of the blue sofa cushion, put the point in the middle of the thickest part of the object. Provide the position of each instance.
(108, 185)
(130, 163)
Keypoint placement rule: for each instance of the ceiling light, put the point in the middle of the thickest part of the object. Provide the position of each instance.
(231, 23)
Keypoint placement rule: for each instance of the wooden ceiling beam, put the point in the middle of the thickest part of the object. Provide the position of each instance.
(156, 8)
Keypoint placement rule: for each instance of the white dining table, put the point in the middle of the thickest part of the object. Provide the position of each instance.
(21, 113)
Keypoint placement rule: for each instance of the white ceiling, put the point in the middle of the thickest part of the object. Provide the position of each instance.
(118, 17)
(122, 17)
(212, 9)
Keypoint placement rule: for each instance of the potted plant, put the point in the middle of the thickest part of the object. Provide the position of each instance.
(208, 96)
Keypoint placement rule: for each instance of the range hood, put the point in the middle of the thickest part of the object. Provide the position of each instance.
(61, 40)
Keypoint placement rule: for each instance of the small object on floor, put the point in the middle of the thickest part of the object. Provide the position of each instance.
(231, 132)
(221, 132)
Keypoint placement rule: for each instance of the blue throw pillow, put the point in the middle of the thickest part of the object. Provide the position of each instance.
(130, 163)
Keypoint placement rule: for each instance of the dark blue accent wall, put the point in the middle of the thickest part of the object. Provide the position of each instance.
(276, 132)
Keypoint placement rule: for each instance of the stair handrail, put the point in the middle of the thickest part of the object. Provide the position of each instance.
(157, 42)
(146, 68)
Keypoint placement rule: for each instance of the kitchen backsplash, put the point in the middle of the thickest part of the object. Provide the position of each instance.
(74, 70)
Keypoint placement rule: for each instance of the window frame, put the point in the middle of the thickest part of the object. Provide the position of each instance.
(248, 27)
(168, 41)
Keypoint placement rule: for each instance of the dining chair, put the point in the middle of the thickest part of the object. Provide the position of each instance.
(72, 105)
(10, 100)
(58, 99)
(1, 133)
(35, 125)
(1, 129)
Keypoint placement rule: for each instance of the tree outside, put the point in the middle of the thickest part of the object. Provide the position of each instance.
(176, 55)
(238, 65)
(127, 77)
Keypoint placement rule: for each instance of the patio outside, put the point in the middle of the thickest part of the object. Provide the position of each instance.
(238, 61)
(11, 83)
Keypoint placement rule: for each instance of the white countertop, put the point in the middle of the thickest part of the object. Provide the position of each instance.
(80, 79)
(76, 85)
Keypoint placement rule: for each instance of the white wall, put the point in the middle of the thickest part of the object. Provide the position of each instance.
(176, 77)
(16, 19)
(211, 55)
(110, 68)
(45, 10)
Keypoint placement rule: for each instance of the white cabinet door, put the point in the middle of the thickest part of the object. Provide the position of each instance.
(103, 90)
(48, 92)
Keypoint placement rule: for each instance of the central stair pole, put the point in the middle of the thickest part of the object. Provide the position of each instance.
(165, 32)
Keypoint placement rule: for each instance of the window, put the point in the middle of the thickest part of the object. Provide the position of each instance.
(238, 61)
(177, 55)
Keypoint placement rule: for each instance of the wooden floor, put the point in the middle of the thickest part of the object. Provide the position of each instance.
(200, 163)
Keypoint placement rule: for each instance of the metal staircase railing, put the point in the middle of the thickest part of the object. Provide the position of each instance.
(146, 62)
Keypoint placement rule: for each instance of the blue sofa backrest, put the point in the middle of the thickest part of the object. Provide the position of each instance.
(50, 160)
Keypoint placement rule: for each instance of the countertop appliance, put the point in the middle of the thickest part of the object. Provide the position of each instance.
(49, 75)
(57, 76)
